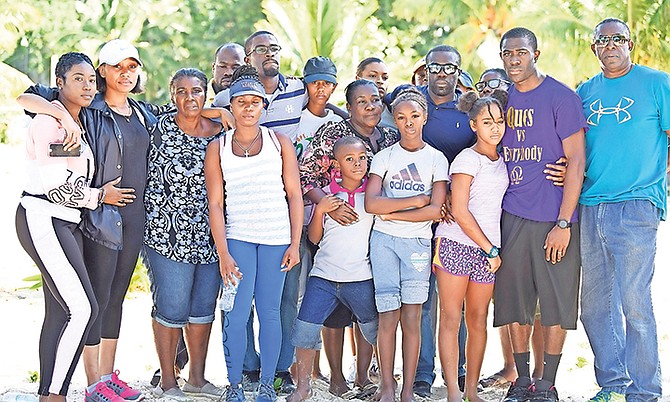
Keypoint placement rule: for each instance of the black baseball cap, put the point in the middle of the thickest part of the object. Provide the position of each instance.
(320, 68)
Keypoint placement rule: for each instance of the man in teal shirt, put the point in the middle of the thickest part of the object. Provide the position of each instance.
(624, 196)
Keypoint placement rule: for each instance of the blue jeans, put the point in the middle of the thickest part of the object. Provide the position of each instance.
(182, 292)
(618, 243)
(262, 281)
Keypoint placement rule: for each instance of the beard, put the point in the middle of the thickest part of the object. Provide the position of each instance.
(270, 71)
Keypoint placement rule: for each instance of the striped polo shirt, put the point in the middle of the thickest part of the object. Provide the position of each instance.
(285, 104)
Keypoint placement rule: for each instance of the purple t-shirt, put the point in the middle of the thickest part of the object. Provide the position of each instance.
(537, 123)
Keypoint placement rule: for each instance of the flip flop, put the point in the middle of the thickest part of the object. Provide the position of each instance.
(496, 380)
(360, 393)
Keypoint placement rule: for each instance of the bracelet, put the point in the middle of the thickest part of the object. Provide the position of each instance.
(101, 196)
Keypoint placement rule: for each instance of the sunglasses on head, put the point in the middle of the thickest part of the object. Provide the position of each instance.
(492, 83)
(263, 49)
(435, 68)
(617, 39)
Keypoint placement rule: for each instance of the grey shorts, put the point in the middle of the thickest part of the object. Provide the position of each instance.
(525, 276)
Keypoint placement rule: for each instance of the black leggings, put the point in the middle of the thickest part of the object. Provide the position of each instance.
(70, 306)
(110, 272)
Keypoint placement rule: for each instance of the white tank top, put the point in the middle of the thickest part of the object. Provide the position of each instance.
(255, 199)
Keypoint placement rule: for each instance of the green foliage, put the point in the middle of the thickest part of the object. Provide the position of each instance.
(36, 279)
(581, 362)
(33, 376)
(139, 282)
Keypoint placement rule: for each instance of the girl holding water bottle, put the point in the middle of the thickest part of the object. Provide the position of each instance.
(254, 172)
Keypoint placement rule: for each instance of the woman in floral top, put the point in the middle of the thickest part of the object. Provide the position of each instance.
(179, 249)
(365, 108)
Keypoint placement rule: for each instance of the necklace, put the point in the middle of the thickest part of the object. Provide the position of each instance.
(247, 149)
(126, 114)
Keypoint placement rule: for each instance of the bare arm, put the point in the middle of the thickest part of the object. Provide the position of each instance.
(227, 119)
(37, 104)
(344, 214)
(430, 212)
(377, 204)
(327, 204)
(291, 177)
(558, 239)
(217, 220)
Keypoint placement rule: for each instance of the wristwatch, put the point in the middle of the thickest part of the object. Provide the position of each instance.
(495, 251)
(563, 223)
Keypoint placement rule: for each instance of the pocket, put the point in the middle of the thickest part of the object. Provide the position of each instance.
(423, 242)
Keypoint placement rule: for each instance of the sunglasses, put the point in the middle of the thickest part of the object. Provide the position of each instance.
(493, 83)
(263, 49)
(449, 69)
(617, 39)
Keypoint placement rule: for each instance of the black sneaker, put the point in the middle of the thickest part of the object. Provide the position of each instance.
(519, 391)
(287, 386)
(250, 380)
(422, 389)
(550, 395)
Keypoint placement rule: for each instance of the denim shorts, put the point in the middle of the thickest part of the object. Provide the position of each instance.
(400, 269)
(322, 297)
(182, 292)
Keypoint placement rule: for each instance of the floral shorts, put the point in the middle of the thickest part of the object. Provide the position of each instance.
(462, 260)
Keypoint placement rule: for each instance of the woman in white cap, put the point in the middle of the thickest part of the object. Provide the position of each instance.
(117, 128)
(255, 172)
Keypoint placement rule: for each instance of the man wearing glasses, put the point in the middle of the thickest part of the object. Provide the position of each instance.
(286, 95)
(540, 243)
(627, 107)
(286, 98)
(447, 130)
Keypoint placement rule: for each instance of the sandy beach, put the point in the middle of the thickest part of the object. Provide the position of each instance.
(22, 314)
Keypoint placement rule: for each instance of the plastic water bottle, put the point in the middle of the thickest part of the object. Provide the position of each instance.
(19, 397)
(228, 296)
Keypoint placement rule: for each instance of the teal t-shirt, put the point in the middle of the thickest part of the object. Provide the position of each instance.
(627, 143)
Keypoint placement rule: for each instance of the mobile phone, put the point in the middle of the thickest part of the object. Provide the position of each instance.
(56, 150)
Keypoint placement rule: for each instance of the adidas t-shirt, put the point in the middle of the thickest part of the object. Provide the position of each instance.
(405, 174)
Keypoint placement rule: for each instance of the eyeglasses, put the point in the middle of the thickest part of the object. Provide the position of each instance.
(263, 49)
(604, 40)
(493, 83)
(449, 69)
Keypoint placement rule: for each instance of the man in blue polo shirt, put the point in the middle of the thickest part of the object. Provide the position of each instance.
(447, 130)
(286, 98)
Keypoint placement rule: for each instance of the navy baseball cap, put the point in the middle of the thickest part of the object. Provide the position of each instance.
(320, 69)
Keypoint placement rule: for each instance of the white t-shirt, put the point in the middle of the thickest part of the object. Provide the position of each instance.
(406, 174)
(309, 124)
(490, 180)
(343, 251)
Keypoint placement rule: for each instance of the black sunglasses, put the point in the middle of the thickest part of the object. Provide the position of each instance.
(435, 68)
(493, 83)
(617, 39)
(263, 49)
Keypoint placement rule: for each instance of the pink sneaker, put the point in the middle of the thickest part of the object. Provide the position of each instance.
(122, 389)
(102, 393)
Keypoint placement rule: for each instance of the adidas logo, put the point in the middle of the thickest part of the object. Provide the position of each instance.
(407, 179)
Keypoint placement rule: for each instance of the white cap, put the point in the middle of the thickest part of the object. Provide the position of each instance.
(117, 50)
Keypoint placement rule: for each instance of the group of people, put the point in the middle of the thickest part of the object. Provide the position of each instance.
(314, 219)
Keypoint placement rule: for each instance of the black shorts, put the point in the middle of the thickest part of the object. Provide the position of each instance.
(341, 317)
(525, 275)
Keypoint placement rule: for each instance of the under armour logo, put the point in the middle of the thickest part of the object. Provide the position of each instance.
(620, 111)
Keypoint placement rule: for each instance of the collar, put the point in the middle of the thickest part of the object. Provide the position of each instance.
(446, 105)
(281, 85)
(336, 188)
